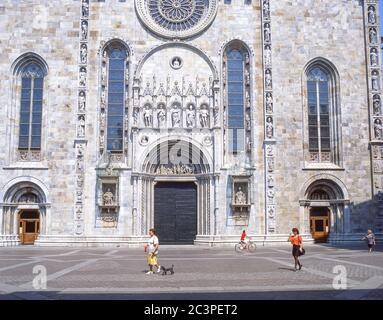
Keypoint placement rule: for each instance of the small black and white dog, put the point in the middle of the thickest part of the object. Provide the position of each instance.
(166, 270)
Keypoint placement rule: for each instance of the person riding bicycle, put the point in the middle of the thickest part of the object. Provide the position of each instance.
(244, 239)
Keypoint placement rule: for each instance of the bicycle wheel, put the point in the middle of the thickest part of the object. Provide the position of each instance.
(238, 247)
(251, 247)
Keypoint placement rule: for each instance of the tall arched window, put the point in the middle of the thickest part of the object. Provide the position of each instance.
(116, 100)
(237, 86)
(31, 105)
(323, 114)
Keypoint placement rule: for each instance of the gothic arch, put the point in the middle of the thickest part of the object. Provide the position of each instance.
(178, 44)
(29, 57)
(14, 189)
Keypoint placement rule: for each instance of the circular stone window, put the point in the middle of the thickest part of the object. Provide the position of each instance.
(176, 18)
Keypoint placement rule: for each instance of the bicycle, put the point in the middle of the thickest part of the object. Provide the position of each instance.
(249, 246)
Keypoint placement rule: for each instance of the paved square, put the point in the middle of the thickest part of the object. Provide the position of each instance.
(200, 273)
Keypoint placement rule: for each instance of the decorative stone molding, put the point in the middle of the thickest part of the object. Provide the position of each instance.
(176, 19)
(80, 141)
(269, 143)
(374, 54)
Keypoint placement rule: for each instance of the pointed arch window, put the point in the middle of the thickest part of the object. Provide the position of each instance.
(31, 107)
(116, 101)
(323, 115)
(235, 99)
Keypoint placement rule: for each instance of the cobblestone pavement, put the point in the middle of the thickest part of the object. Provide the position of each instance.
(200, 273)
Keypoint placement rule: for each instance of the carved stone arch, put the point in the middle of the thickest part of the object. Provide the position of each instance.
(14, 189)
(236, 41)
(175, 44)
(328, 182)
(325, 64)
(106, 43)
(202, 160)
(25, 59)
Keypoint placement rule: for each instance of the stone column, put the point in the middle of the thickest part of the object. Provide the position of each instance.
(347, 218)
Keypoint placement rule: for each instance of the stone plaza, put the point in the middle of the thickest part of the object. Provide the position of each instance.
(200, 118)
(200, 273)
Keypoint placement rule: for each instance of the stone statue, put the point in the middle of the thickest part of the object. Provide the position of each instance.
(102, 119)
(270, 181)
(270, 164)
(102, 141)
(271, 212)
(268, 80)
(240, 197)
(269, 151)
(103, 73)
(269, 127)
(84, 30)
(266, 9)
(204, 118)
(378, 129)
(147, 117)
(85, 8)
(267, 33)
(190, 117)
(248, 100)
(269, 103)
(176, 119)
(108, 198)
(248, 122)
(268, 55)
(161, 117)
(374, 57)
(82, 80)
(375, 81)
(377, 105)
(247, 77)
(271, 194)
(371, 15)
(83, 53)
(81, 127)
(103, 96)
(81, 101)
(247, 58)
(373, 36)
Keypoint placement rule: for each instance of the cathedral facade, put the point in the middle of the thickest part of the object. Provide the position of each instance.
(200, 118)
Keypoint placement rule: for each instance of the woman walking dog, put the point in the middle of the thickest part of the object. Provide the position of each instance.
(296, 240)
(152, 251)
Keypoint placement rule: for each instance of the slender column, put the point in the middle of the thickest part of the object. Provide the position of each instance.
(269, 141)
(374, 57)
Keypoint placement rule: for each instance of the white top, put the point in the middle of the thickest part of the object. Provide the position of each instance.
(152, 241)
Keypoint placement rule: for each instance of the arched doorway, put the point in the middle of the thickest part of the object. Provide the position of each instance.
(176, 186)
(24, 213)
(325, 206)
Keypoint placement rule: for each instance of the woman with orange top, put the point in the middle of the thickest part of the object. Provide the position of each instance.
(296, 240)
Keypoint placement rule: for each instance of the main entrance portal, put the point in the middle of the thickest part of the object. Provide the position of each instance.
(175, 212)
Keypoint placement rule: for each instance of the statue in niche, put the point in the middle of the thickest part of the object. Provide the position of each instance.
(103, 96)
(147, 117)
(248, 100)
(80, 165)
(378, 129)
(84, 30)
(371, 15)
(83, 53)
(103, 73)
(176, 63)
(161, 117)
(375, 80)
(377, 105)
(102, 119)
(266, 9)
(190, 117)
(269, 127)
(269, 151)
(176, 118)
(267, 33)
(81, 127)
(247, 77)
(81, 101)
(268, 55)
(102, 141)
(240, 197)
(373, 36)
(85, 8)
(269, 103)
(108, 198)
(80, 150)
(82, 77)
(204, 117)
(271, 212)
(248, 144)
(374, 57)
(271, 194)
(247, 58)
(268, 79)
(270, 180)
(270, 164)
(248, 122)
